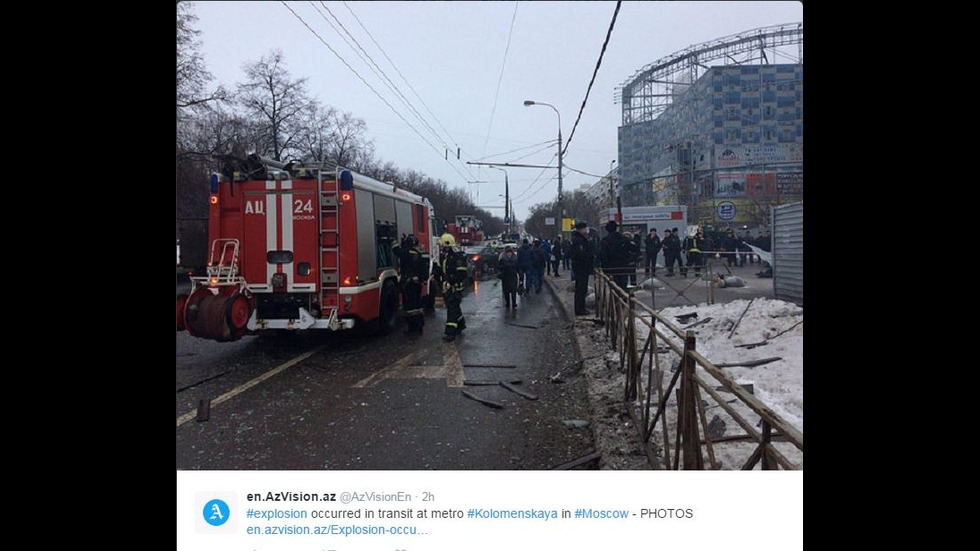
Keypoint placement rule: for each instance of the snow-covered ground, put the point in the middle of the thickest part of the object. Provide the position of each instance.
(778, 385)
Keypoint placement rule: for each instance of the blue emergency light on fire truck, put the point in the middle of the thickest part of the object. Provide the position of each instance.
(296, 246)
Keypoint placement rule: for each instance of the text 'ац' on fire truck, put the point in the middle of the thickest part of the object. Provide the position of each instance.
(303, 247)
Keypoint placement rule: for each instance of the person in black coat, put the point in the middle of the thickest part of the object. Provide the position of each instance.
(764, 242)
(672, 251)
(581, 252)
(508, 270)
(614, 255)
(730, 244)
(651, 248)
(538, 261)
(633, 252)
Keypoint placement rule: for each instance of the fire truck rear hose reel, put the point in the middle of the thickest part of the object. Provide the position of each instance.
(218, 317)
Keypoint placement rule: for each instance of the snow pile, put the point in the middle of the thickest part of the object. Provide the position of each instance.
(778, 385)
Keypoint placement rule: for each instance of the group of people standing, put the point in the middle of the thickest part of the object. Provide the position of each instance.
(620, 253)
(735, 246)
(524, 269)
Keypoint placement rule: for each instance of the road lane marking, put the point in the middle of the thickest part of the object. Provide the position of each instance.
(406, 368)
(242, 388)
(454, 368)
(386, 372)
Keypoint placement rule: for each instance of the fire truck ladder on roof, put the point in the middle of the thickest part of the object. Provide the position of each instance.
(329, 241)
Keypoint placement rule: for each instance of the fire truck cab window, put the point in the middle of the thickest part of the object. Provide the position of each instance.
(279, 257)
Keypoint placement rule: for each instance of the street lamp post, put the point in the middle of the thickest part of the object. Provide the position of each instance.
(561, 205)
(506, 197)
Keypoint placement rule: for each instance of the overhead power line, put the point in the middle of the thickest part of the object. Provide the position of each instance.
(369, 61)
(528, 196)
(523, 193)
(500, 78)
(379, 72)
(395, 67)
(549, 143)
(585, 173)
(448, 134)
(598, 63)
(535, 152)
(358, 75)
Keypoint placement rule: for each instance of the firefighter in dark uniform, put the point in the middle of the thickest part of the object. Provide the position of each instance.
(411, 263)
(694, 245)
(452, 273)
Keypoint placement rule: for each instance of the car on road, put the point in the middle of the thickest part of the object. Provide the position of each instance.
(480, 260)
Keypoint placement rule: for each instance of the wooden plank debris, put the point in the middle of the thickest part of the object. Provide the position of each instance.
(518, 391)
(477, 382)
(750, 363)
(203, 410)
(734, 327)
(585, 459)
(484, 401)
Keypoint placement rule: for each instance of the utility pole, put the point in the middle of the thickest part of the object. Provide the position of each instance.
(561, 204)
(506, 197)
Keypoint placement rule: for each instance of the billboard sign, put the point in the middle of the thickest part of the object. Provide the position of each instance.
(755, 187)
(790, 183)
(730, 184)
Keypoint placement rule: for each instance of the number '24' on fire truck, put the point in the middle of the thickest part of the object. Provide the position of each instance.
(303, 247)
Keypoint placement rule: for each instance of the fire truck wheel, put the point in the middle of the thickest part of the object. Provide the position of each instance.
(237, 312)
(181, 302)
(387, 316)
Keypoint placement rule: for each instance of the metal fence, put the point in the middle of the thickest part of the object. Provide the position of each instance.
(649, 346)
(787, 248)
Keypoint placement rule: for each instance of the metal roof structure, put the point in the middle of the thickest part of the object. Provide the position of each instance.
(651, 89)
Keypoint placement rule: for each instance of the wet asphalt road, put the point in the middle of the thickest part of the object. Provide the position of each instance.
(369, 402)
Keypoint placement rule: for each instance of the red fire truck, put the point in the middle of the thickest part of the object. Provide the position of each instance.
(467, 230)
(302, 247)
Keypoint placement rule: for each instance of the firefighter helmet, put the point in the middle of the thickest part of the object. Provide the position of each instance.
(447, 240)
(412, 241)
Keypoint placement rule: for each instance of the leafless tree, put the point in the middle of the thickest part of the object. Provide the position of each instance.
(317, 133)
(349, 142)
(272, 95)
(577, 206)
(192, 76)
(330, 136)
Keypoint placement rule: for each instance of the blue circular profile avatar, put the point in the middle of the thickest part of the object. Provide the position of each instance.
(216, 512)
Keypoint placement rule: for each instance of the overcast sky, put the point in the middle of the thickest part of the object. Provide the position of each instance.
(452, 52)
